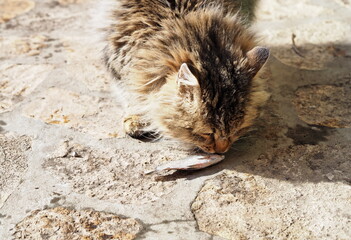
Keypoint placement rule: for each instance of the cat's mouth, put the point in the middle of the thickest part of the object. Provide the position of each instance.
(219, 146)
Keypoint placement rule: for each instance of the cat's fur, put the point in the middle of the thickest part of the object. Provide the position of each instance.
(190, 67)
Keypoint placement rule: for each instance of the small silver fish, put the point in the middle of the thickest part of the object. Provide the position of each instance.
(190, 163)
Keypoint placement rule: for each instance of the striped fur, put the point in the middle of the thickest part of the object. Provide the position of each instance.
(149, 40)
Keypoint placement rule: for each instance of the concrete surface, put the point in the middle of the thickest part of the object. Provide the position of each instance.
(68, 172)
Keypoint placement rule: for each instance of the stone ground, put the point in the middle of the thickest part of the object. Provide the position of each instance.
(68, 172)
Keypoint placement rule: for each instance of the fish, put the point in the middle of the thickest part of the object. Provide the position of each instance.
(193, 162)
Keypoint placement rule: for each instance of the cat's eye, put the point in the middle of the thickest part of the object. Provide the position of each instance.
(205, 135)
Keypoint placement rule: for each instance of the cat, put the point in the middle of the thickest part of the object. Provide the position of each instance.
(190, 68)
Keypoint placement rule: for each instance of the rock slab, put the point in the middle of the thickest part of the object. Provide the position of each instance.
(13, 163)
(235, 205)
(65, 223)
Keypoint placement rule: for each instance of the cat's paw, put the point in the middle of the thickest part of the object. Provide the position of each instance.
(133, 126)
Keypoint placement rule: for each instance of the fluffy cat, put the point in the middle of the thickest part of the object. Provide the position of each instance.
(189, 66)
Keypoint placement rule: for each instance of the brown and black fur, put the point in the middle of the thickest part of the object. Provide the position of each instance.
(151, 43)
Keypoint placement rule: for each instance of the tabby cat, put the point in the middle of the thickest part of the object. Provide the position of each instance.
(189, 68)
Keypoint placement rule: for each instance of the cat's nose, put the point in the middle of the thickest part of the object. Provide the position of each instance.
(221, 145)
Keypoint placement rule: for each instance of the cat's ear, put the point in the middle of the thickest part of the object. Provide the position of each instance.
(257, 57)
(185, 77)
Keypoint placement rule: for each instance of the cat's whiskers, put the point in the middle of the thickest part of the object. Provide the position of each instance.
(151, 81)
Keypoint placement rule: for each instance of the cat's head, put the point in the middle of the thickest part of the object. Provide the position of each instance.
(211, 108)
